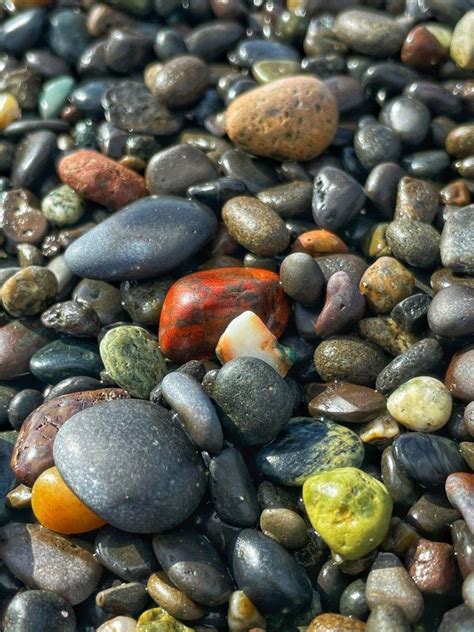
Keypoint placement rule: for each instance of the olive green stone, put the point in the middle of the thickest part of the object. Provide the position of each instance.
(374, 243)
(272, 69)
(467, 450)
(350, 359)
(158, 620)
(29, 291)
(349, 509)
(62, 206)
(423, 403)
(53, 96)
(133, 359)
(462, 42)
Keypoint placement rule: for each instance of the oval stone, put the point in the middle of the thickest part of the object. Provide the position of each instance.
(423, 403)
(269, 576)
(306, 447)
(132, 464)
(291, 119)
(200, 306)
(33, 451)
(143, 240)
(451, 312)
(39, 611)
(64, 358)
(19, 340)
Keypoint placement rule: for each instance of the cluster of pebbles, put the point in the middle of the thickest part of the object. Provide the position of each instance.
(237, 316)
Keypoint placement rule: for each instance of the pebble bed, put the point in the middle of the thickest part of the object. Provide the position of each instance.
(236, 316)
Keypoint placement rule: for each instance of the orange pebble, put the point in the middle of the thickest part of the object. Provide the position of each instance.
(319, 242)
(58, 509)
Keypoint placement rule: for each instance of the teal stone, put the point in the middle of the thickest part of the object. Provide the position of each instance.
(65, 358)
(7, 478)
(54, 95)
(306, 447)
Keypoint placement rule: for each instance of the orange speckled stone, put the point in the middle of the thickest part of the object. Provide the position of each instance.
(319, 242)
(198, 308)
(294, 118)
(57, 508)
(385, 283)
(101, 179)
(329, 622)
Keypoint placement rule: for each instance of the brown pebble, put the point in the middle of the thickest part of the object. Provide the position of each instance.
(460, 374)
(22, 221)
(29, 291)
(285, 526)
(348, 402)
(460, 141)
(385, 283)
(330, 622)
(101, 179)
(456, 193)
(291, 119)
(387, 333)
(416, 199)
(171, 599)
(19, 339)
(432, 566)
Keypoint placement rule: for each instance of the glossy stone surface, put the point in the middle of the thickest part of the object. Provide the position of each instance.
(329, 621)
(451, 312)
(66, 357)
(174, 601)
(301, 278)
(360, 498)
(102, 445)
(347, 403)
(39, 611)
(457, 240)
(115, 250)
(268, 574)
(459, 375)
(19, 339)
(306, 447)
(128, 555)
(369, 32)
(29, 291)
(199, 307)
(459, 490)
(432, 566)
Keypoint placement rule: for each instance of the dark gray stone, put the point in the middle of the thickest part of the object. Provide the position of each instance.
(128, 555)
(337, 198)
(38, 611)
(451, 312)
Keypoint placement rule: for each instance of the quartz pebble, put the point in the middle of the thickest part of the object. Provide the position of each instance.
(423, 403)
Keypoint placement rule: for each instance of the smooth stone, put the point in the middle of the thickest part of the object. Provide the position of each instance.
(381, 187)
(379, 431)
(413, 242)
(268, 70)
(62, 206)
(434, 96)
(369, 32)
(457, 240)
(33, 453)
(422, 403)
(173, 170)
(218, 298)
(400, 487)
(426, 164)
(174, 601)
(385, 283)
(115, 250)
(97, 452)
(293, 118)
(66, 358)
(143, 300)
(255, 399)
(459, 375)
(285, 526)
(288, 199)
(242, 613)
(123, 599)
(19, 340)
(353, 602)
(7, 393)
(22, 404)
(132, 358)
(71, 317)
(249, 52)
(411, 312)
(67, 34)
(432, 566)
(410, 119)
(46, 560)
(126, 51)
(348, 403)
(344, 306)
(349, 359)
(102, 297)
(128, 555)
(255, 226)
(389, 583)
(386, 616)
(215, 193)
(353, 265)
(158, 620)
(363, 501)
(422, 357)
(432, 515)
(22, 220)
(87, 96)
(460, 141)
(21, 32)
(306, 447)
(301, 278)
(455, 193)
(328, 622)
(194, 368)
(428, 459)
(387, 334)
(45, 63)
(268, 574)
(256, 174)
(187, 397)
(39, 611)
(169, 43)
(181, 81)
(375, 144)
(463, 542)
(337, 198)
(194, 566)
(459, 490)
(53, 96)
(457, 619)
(7, 476)
(212, 40)
(29, 291)
(451, 312)
(462, 48)
(416, 200)
(33, 158)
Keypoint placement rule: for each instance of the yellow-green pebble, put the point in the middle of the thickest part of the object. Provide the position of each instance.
(423, 403)
(9, 110)
(462, 42)
(349, 509)
(158, 620)
(62, 206)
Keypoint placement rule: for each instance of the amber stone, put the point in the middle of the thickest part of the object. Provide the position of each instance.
(198, 308)
(456, 193)
(319, 242)
(422, 49)
(58, 508)
(33, 452)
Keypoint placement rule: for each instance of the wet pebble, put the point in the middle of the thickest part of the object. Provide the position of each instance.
(128, 555)
(39, 610)
(71, 317)
(385, 283)
(66, 357)
(375, 144)
(175, 601)
(29, 291)
(343, 307)
(369, 32)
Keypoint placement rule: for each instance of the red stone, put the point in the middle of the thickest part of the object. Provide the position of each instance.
(101, 179)
(432, 566)
(421, 49)
(198, 308)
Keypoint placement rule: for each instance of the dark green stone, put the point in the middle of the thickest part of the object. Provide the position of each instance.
(66, 358)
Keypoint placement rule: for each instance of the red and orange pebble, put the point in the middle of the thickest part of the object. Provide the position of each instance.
(57, 508)
(198, 308)
(319, 242)
(101, 179)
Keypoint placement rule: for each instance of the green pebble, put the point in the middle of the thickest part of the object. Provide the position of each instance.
(62, 206)
(53, 96)
(349, 509)
(158, 620)
(133, 359)
(270, 70)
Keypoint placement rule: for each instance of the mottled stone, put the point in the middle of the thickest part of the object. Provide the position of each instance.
(293, 118)
(174, 601)
(29, 291)
(361, 499)
(423, 403)
(96, 453)
(330, 622)
(350, 359)
(71, 317)
(370, 32)
(462, 48)
(128, 555)
(416, 199)
(386, 333)
(242, 614)
(414, 242)
(460, 490)
(457, 239)
(343, 307)
(386, 616)
(19, 340)
(432, 566)
(62, 206)
(158, 620)
(459, 375)
(306, 447)
(385, 283)
(66, 357)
